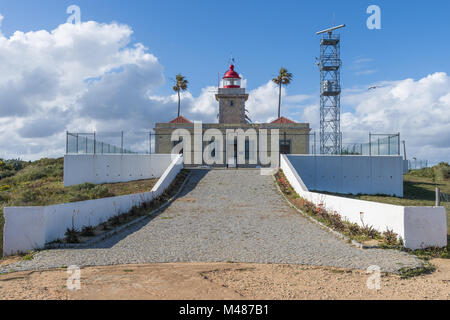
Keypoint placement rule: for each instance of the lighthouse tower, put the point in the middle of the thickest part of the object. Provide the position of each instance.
(232, 99)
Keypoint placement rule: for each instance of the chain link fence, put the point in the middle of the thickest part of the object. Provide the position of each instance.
(417, 164)
(378, 145)
(144, 143)
(108, 143)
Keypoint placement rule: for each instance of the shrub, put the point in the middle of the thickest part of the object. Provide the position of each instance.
(84, 186)
(370, 232)
(4, 197)
(100, 192)
(390, 237)
(332, 219)
(87, 231)
(72, 235)
(29, 196)
(116, 220)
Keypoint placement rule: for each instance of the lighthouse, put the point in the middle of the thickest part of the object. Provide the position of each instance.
(232, 99)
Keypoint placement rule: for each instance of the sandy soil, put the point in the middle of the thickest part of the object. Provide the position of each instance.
(223, 281)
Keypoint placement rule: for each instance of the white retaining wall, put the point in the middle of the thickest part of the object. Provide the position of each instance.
(405, 166)
(419, 227)
(28, 228)
(351, 174)
(112, 168)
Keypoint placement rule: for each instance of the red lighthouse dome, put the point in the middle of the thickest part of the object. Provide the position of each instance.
(231, 79)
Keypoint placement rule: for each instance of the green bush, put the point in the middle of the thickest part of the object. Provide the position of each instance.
(100, 192)
(438, 172)
(29, 196)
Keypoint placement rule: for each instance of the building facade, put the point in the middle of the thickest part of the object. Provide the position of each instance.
(234, 140)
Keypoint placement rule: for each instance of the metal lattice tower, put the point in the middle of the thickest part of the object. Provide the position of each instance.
(330, 91)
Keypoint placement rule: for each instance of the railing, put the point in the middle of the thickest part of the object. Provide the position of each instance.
(144, 143)
(108, 143)
(330, 88)
(378, 145)
(417, 164)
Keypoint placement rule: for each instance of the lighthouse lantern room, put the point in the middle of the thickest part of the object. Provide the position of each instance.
(231, 79)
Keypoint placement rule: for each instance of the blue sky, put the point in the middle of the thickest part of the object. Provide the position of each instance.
(197, 37)
(113, 72)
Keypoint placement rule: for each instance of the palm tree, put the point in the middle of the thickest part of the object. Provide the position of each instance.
(283, 78)
(181, 84)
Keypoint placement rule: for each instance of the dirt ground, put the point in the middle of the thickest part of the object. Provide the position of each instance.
(223, 281)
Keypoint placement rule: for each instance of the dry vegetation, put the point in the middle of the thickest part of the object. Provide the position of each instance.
(41, 183)
(419, 189)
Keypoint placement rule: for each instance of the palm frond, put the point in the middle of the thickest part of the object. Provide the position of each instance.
(181, 84)
(284, 77)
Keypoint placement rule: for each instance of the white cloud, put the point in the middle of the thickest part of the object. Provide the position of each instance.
(76, 77)
(90, 77)
(263, 103)
(419, 110)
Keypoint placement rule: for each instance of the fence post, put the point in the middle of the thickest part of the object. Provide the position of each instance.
(67, 142)
(378, 146)
(77, 143)
(398, 143)
(370, 144)
(95, 143)
(121, 144)
(389, 145)
(438, 197)
(315, 152)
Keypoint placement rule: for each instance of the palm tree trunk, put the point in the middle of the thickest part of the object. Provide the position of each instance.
(179, 103)
(279, 102)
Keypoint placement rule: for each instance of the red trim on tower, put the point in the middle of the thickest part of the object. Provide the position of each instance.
(231, 74)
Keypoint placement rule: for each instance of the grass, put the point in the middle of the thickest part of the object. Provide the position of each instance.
(414, 196)
(406, 273)
(76, 236)
(40, 183)
(418, 190)
(333, 219)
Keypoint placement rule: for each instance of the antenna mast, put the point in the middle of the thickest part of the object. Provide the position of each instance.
(330, 91)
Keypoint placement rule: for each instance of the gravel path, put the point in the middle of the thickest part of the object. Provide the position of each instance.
(224, 215)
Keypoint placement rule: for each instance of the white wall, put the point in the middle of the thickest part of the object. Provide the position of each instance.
(419, 227)
(28, 228)
(351, 174)
(405, 166)
(112, 168)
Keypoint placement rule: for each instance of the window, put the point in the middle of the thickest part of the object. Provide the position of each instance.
(285, 146)
(231, 82)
